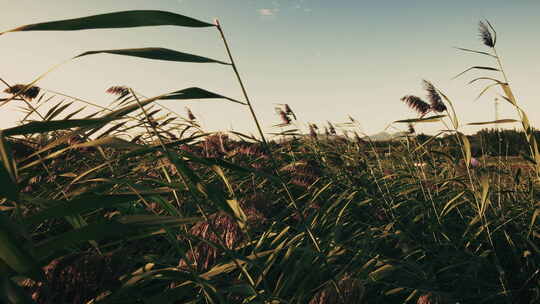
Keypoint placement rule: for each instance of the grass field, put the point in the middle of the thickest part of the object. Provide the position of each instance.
(133, 203)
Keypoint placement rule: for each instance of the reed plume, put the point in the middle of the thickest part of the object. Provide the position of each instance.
(417, 104)
(487, 38)
(435, 100)
(411, 128)
(120, 91)
(289, 111)
(190, 115)
(331, 129)
(313, 130)
(284, 117)
(30, 93)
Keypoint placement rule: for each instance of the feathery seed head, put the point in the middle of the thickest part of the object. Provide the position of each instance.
(331, 128)
(30, 93)
(434, 98)
(417, 104)
(120, 91)
(411, 128)
(284, 117)
(485, 34)
(190, 115)
(289, 111)
(313, 130)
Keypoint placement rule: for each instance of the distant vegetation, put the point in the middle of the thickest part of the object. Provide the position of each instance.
(134, 203)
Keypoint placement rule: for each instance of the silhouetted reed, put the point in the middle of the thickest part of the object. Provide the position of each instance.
(30, 93)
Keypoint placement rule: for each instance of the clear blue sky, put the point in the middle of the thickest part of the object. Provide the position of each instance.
(326, 59)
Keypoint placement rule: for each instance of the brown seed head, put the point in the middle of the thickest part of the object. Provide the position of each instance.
(30, 93)
(411, 128)
(434, 98)
(417, 104)
(284, 117)
(120, 91)
(190, 114)
(312, 130)
(289, 111)
(331, 129)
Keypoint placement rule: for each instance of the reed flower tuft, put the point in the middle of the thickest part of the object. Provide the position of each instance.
(485, 34)
(120, 91)
(289, 111)
(284, 117)
(30, 93)
(313, 130)
(331, 129)
(190, 115)
(434, 98)
(417, 104)
(411, 128)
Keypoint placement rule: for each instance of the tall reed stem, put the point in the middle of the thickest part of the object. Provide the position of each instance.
(244, 91)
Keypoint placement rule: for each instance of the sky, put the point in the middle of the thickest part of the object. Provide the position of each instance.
(326, 59)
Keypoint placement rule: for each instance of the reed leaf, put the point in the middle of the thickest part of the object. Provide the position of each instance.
(118, 227)
(135, 18)
(54, 125)
(108, 141)
(477, 52)
(476, 68)
(155, 53)
(197, 93)
(9, 188)
(66, 208)
(13, 253)
(7, 160)
(434, 118)
(189, 93)
(466, 148)
(484, 198)
(499, 121)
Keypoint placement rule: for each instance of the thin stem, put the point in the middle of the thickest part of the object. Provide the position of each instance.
(244, 91)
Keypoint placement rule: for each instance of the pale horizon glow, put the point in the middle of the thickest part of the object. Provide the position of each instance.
(326, 59)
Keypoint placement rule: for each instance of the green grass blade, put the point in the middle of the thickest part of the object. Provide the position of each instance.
(155, 53)
(477, 52)
(76, 206)
(499, 121)
(477, 68)
(10, 292)
(189, 93)
(7, 158)
(466, 148)
(123, 19)
(9, 188)
(197, 93)
(54, 125)
(119, 227)
(14, 255)
(434, 118)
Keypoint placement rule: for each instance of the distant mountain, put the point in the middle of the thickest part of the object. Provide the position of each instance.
(383, 136)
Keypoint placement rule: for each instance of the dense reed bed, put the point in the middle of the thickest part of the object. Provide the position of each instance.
(134, 203)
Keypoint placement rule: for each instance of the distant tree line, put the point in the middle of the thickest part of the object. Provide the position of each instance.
(486, 142)
(490, 142)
